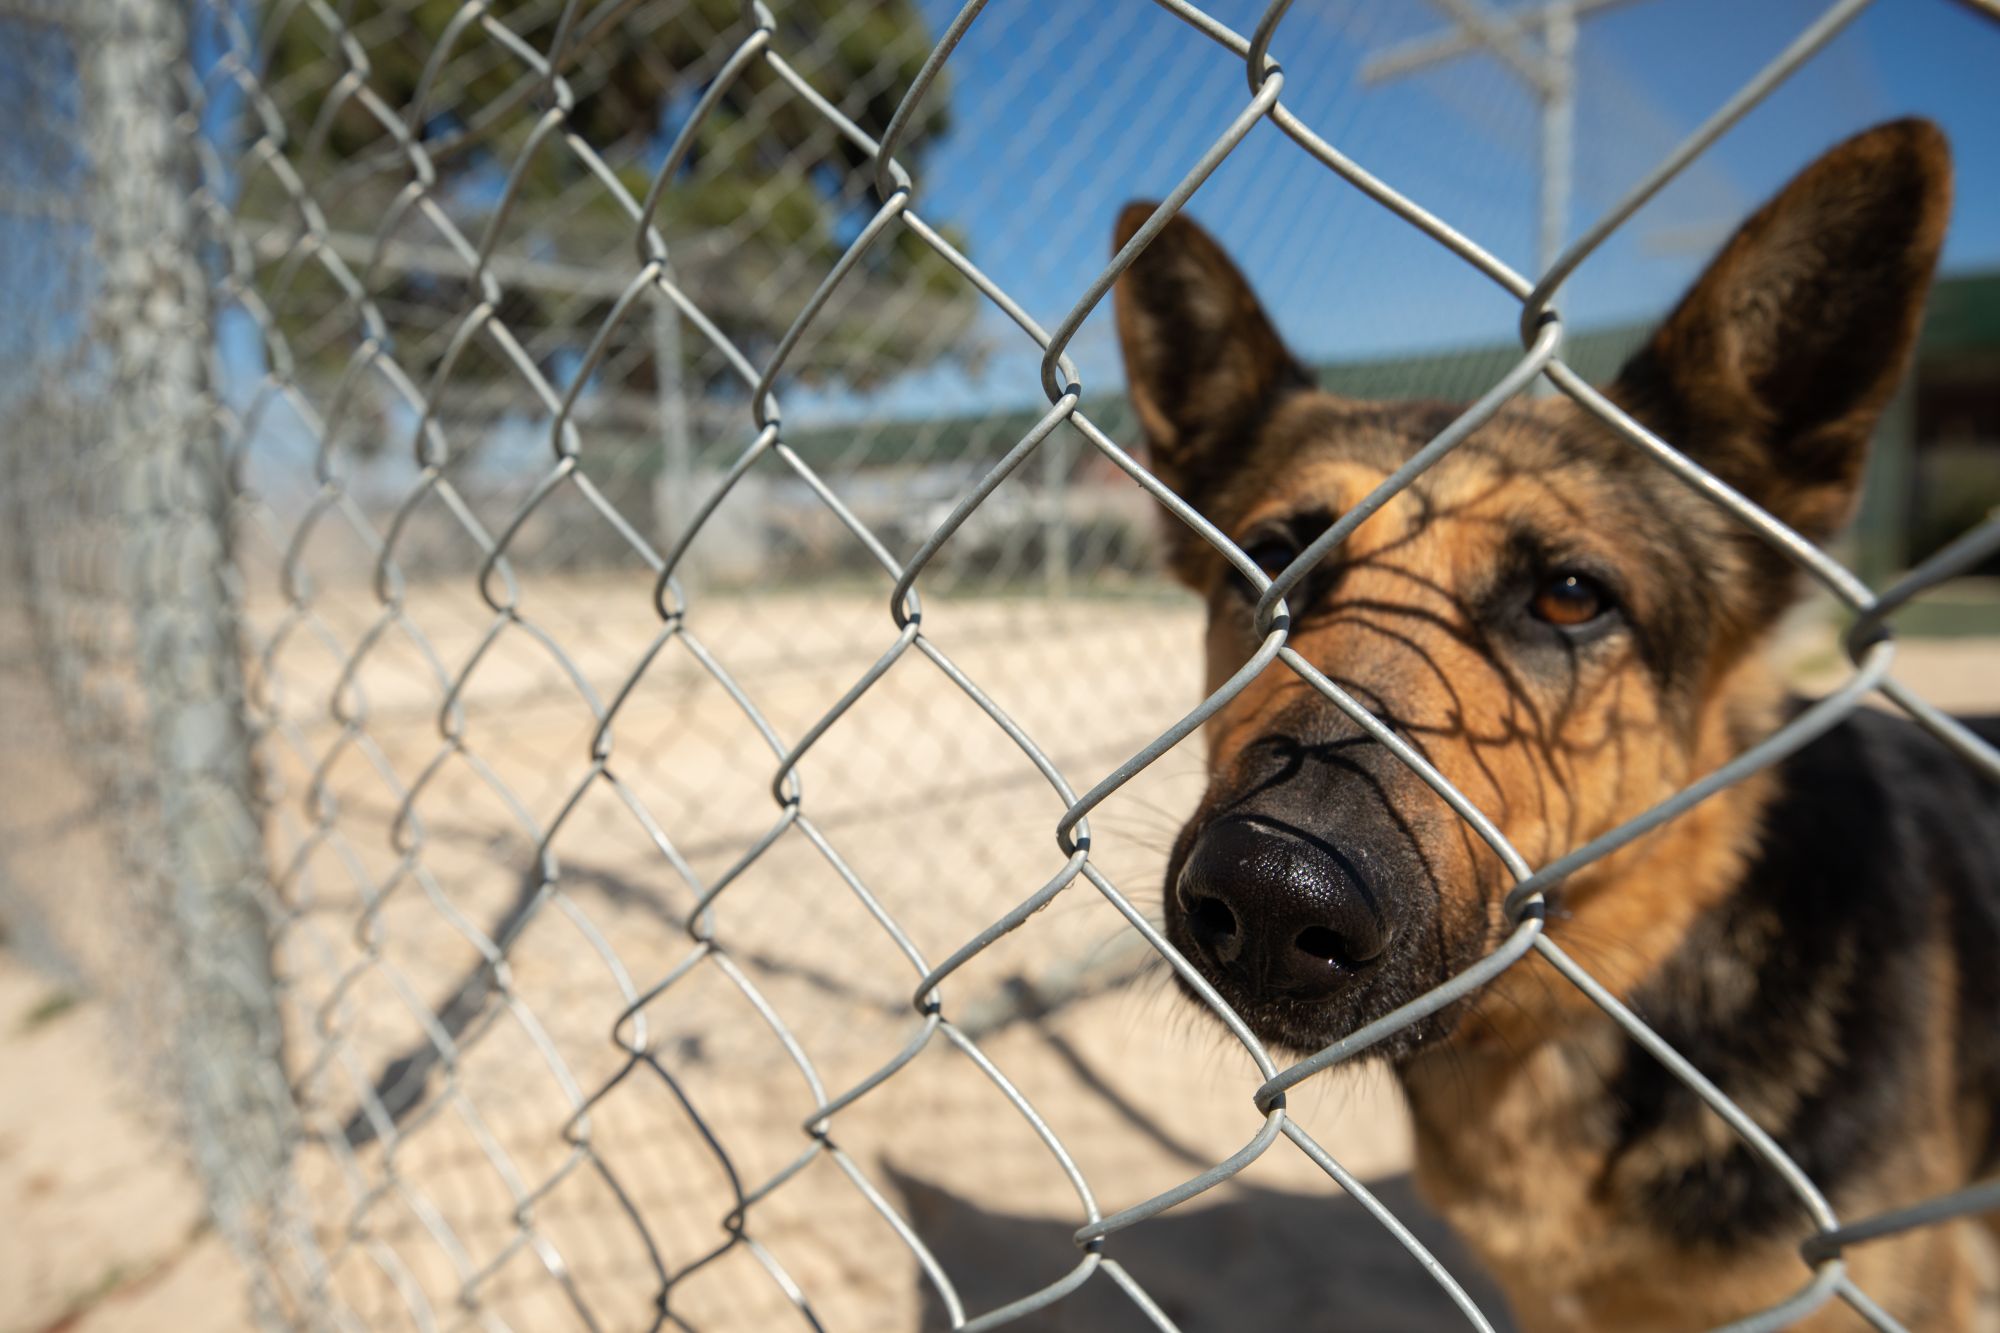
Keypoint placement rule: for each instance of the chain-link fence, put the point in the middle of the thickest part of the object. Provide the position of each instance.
(574, 802)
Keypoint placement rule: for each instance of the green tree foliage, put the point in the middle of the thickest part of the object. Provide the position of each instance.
(768, 199)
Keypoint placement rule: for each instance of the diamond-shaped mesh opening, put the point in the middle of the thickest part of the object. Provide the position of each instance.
(683, 843)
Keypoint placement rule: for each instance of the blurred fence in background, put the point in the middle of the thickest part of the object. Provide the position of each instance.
(399, 344)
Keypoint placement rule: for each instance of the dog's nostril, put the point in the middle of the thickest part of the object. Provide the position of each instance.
(1322, 943)
(1213, 918)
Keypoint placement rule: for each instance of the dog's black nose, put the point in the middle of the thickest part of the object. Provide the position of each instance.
(1278, 911)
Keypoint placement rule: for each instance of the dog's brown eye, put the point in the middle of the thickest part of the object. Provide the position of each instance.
(1569, 600)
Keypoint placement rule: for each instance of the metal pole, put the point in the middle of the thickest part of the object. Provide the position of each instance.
(1551, 77)
(1558, 98)
(1459, 40)
(1557, 93)
(673, 487)
(1058, 451)
(194, 832)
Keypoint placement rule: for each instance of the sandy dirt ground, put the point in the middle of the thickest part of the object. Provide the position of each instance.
(482, 1147)
(104, 1228)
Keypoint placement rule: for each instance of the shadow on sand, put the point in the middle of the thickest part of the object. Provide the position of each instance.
(1256, 1259)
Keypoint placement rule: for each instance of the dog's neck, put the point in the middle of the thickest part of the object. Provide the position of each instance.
(1511, 1112)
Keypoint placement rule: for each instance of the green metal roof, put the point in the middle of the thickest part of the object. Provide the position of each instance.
(1465, 373)
(1963, 317)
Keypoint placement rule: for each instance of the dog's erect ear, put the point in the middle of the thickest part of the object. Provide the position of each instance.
(1774, 367)
(1202, 362)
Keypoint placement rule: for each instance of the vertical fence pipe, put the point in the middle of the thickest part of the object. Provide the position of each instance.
(172, 523)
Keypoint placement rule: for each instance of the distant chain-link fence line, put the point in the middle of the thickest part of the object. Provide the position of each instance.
(464, 898)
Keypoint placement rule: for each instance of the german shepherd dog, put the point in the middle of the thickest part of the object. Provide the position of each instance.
(1570, 634)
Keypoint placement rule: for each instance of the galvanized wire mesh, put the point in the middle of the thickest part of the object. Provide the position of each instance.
(447, 1040)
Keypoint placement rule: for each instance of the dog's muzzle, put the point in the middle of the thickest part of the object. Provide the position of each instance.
(1279, 912)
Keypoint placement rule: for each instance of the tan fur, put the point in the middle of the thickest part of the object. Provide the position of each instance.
(1501, 1157)
(1777, 361)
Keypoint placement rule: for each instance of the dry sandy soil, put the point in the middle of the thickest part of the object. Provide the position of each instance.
(489, 1136)
(104, 1227)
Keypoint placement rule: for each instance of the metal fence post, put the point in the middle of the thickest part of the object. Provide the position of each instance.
(1057, 460)
(673, 484)
(1558, 147)
(170, 496)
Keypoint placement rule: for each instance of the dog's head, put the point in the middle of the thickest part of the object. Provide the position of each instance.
(1560, 626)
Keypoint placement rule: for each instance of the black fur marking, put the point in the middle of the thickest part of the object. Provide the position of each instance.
(1809, 985)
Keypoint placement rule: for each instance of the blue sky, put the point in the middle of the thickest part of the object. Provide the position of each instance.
(42, 169)
(1064, 112)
